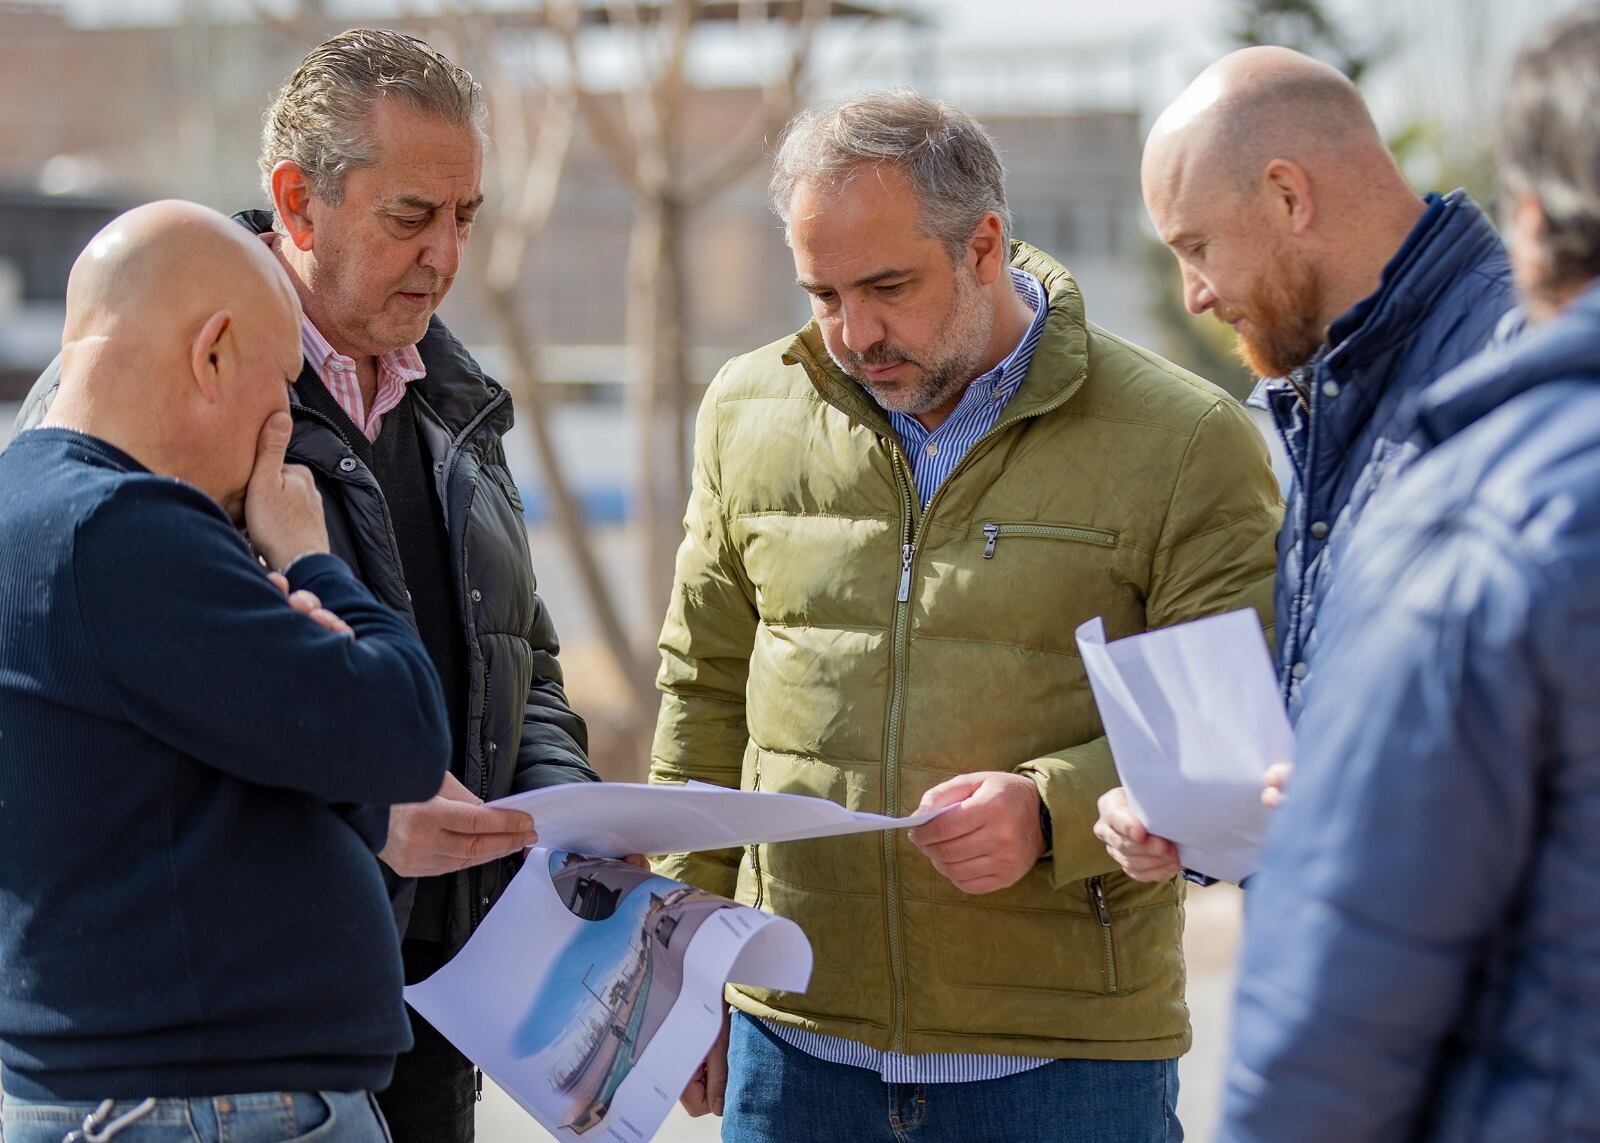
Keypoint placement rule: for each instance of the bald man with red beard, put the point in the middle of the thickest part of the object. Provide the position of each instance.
(1291, 222)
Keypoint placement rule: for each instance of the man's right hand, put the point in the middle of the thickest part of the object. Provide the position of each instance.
(450, 831)
(282, 508)
(709, 1087)
(1141, 854)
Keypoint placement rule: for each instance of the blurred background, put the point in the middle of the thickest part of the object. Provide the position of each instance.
(626, 249)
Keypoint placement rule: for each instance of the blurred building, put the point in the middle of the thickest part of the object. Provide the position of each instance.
(98, 117)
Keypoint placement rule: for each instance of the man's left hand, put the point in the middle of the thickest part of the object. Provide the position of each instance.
(309, 605)
(989, 837)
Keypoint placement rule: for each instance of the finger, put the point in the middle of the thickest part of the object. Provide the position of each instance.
(1122, 819)
(694, 1096)
(446, 813)
(1272, 797)
(477, 848)
(305, 601)
(453, 790)
(1278, 773)
(1146, 864)
(331, 622)
(975, 845)
(271, 445)
(717, 1070)
(956, 822)
(279, 581)
(951, 790)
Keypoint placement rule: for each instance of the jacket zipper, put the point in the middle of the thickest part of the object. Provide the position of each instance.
(993, 532)
(755, 848)
(902, 627)
(1097, 894)
(912, 532)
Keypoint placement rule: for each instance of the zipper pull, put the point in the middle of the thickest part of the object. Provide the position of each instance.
(991, 533)
(477, 1085)
(905, 572)
(1099, 896)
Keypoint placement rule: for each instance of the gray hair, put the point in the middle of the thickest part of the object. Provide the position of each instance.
(946, 155)
(1548, 139)
(319, 119)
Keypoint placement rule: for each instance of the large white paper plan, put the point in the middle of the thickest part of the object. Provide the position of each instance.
(592, 990)
(615, 819)
(1194, 719)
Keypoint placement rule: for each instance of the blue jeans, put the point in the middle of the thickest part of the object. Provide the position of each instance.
(260, 1117)
(779, 1094)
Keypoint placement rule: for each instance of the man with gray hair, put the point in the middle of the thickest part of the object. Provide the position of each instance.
(1421, 946)
(899, 518)
(372, 154)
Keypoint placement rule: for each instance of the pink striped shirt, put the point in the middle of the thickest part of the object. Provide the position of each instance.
(396, 369)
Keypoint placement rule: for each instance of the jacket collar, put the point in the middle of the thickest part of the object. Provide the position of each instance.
(454, 388)
(1565, 348)
(1060, 363)
(1451, 238)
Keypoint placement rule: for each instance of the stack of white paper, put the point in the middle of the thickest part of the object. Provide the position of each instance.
(614, 819)
(1194, 720)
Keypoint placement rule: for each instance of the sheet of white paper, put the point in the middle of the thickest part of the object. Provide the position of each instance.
(592, 990)
(614, 819)
(1194, 720)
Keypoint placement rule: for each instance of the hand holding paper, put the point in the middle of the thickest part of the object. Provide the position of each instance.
(1194, 720)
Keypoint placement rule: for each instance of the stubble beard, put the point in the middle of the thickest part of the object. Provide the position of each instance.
(947, 368)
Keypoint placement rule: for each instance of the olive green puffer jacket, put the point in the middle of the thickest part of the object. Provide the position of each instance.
(826, 636)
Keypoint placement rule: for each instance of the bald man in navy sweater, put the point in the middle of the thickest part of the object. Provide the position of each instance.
(200, 734)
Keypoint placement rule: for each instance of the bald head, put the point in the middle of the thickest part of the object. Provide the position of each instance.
(181, 337)
(1260, 104)
(165, 265)
(1271, 185)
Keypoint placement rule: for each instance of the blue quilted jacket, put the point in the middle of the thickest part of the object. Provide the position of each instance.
(1423, 951)
(1344, 417)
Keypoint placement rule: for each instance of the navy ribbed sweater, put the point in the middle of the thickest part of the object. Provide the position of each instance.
(189, 903)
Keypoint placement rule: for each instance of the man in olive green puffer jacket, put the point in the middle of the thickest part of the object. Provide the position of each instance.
(899, 517)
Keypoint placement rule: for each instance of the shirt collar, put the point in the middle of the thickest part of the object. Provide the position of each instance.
(400, 366)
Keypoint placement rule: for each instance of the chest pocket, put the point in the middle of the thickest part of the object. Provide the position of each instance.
(1031, 583)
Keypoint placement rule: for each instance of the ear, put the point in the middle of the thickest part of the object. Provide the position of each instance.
(989, 251)
(207, 354)
(291, 194)
(1289, 189)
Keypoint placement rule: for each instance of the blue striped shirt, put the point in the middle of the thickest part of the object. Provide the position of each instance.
(934, 455)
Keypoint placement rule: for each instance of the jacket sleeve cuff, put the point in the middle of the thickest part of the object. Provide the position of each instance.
(1071, 781)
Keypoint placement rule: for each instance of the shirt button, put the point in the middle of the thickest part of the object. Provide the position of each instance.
(347, 464)
(477, 596)
(1298, 671)
(1319, 530)
(932, 448)
(1330, 388)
